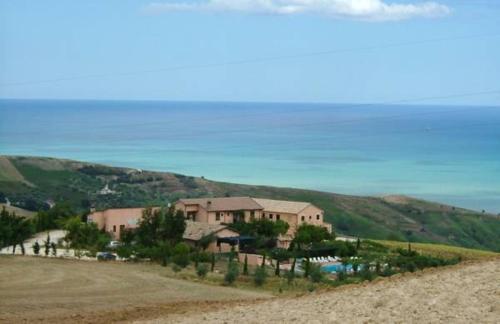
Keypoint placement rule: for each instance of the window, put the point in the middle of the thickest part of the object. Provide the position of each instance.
(302, 218)
(317, 217)
(114, 228)
(122, 227)
(310, 217)
(252, 214)
(270, 216)
(278, 216)
(217, 216)
(263, 214)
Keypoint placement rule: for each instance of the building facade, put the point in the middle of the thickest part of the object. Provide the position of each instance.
(210, 215)
(228, 210)
(114, 221)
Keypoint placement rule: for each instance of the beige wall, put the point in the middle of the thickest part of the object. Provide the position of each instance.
(223, 247)
(114, 220)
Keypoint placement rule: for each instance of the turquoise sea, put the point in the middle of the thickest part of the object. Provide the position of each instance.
(441, 153)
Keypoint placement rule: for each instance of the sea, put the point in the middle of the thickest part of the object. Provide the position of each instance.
(449, 154)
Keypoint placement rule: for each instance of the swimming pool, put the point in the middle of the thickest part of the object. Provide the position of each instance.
(336, 267)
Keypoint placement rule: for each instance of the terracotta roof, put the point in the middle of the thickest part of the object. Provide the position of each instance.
(197, 230)
(283, 206)
(224, 204)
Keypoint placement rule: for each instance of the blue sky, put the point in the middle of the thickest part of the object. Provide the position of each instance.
(58, 39)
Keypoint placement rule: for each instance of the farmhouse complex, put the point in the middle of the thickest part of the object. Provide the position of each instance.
(208, 216)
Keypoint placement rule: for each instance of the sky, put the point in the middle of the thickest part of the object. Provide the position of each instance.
(339, 51)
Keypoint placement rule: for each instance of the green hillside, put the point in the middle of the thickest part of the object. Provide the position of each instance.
(30, 182)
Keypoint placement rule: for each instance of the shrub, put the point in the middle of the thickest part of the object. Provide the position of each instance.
(124, 251)
(54, 248)
(315, 273)
(290, 276)
(387, 272)
(36, 248)
(202, 270)
(181, 255)
(366, 274)
(232, 273)
(260, 276)
(176, 268)
(341, 276)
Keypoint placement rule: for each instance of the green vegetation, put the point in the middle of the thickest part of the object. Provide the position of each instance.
(260, 276)
(14, 230)
(31, 182)
(202, 270)
(85, 236)
(442, 251)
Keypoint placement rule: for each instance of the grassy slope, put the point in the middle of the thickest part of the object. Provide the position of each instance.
(445, 251)
(393, 218)
(19, 211)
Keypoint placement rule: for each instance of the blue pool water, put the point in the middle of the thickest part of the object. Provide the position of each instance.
(336, 267)
(442, 153)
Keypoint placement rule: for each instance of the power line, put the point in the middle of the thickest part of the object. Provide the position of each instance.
(247, 61)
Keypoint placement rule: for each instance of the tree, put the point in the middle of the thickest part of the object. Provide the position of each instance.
(307, 234)
(87, 236)
(23, 231)
(358, 244)
(46, 244)
(306, 264)
(36, 248)
(279, 255)
(292, 269)
(54, 248)
(14, 230)
(148, 227)
(212, 263)
(172, 225)
(245, 266)
(205, 241)
(53, 218)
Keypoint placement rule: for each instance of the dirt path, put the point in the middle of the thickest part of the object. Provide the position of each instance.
(467, 293)
(34, 289)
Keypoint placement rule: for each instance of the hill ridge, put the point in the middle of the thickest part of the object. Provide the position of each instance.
(393, 217)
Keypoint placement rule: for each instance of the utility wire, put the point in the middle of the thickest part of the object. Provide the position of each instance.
(247, 61)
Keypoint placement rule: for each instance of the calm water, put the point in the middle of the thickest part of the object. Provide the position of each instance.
(449, 154)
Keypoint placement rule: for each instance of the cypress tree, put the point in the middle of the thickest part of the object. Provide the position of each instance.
(212, 266)
(306, 268)
(36, 248)
(47, 245)
(292, 270)
(245, 266)
(54, 248)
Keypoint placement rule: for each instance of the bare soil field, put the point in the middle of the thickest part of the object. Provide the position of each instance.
(466, 293)
(35, 289)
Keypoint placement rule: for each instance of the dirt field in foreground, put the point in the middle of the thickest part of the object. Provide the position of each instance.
(53, 290)
(468, 293)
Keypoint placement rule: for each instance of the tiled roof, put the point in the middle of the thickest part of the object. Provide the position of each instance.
(197, 230)
(224, 204)
(283, 206)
